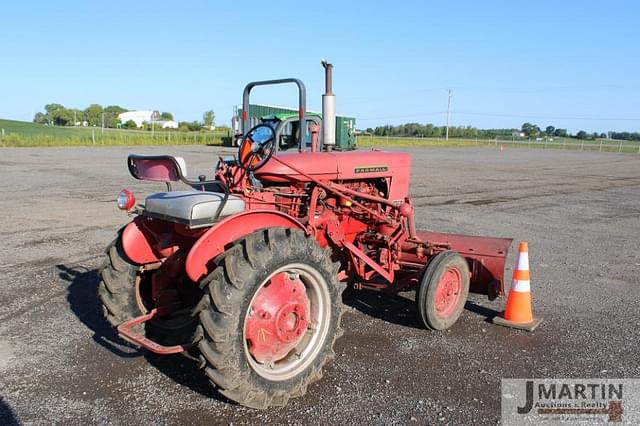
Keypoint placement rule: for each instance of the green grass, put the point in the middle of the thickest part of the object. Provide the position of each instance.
(567, 144)
(25, 134)
(403, 142)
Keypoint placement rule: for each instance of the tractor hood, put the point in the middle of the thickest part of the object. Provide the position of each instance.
(337, 166)
(353, 165)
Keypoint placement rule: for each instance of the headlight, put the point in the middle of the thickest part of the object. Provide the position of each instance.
(126, 200)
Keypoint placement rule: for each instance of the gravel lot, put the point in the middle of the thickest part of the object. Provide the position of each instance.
(580, 212)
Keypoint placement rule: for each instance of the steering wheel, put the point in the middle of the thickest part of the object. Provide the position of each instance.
(257, 147)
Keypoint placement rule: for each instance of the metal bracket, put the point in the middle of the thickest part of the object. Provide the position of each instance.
(387, 275)
(125, 330)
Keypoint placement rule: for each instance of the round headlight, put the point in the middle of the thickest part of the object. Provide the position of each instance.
(126, 200)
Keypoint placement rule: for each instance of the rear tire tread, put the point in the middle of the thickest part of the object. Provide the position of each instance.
(225, 292)
(116, 291)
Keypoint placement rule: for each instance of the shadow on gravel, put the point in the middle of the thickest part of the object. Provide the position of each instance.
(7, 416)
(84, 303)
(396, 309)
(392, 308)
(487, 313)
(186, 373)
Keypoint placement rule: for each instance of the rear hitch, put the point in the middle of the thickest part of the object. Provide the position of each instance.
(125, 330)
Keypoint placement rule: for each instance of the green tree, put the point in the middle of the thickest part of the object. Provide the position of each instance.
(40, 118)
(130, 124)
(530, 130)
(166, 116)
(582, 134)
(77, 116)
(58, 115)
(52, 109)
(209, 118)
(431, 131)
(93, 114)
(111, 115)
(189, 126)
(560, 133)
(549, 130)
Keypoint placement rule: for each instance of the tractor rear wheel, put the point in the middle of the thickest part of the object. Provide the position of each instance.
(443, 290)
(270, 316)
(121, 300)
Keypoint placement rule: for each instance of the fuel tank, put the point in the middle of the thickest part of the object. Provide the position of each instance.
(351, 165)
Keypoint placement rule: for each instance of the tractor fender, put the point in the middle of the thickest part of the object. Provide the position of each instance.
(212, 243)
(138, 243)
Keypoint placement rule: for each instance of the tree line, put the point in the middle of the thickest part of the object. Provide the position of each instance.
(433, 131)
(59, 115)
(628, 136)
(98, 116)
(532, 130)
(418, 130)
(527, 130)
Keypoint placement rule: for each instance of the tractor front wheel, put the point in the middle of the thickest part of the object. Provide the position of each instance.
(270, 317)
(443, 290)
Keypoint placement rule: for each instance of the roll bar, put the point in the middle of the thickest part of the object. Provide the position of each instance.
(302, 105)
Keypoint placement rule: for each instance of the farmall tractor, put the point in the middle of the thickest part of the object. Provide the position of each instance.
(244, 272)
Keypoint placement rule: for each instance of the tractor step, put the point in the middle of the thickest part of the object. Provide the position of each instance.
(125, 330)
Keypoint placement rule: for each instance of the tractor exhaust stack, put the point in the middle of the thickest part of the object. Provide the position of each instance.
(328, 108)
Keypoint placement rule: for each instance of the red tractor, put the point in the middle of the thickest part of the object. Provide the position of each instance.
(244, 272)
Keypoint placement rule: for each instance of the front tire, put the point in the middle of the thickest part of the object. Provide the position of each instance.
(270, 317)
(443, 290)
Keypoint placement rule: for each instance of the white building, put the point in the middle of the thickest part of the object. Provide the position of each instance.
(169, 124)
(139, 117)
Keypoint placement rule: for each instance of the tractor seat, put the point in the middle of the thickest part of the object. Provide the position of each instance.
(192, 208)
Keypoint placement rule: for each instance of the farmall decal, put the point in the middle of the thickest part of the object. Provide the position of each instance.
(371, 169)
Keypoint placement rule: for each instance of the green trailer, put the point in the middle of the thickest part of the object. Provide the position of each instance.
(285, 119)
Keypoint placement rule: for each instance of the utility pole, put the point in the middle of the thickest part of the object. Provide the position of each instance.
(448, 112)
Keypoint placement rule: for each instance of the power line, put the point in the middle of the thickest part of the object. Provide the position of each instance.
(391, 117)
(533, 89)
(550, 117)
(400, 96)
(403, 96)
(499, 114)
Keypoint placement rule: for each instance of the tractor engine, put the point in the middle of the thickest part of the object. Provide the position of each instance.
(354, 199)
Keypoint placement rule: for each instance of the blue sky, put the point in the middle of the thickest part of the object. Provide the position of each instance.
(572, 64)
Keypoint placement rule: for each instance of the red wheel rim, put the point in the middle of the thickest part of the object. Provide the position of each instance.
(279, 315)
(287, 322)
(448, 292)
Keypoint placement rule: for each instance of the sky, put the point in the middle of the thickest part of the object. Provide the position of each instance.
(570, 64)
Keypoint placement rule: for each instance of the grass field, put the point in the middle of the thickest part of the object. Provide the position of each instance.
(567, 144)
(24, 134)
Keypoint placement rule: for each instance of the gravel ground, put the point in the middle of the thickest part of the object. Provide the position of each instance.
(60, 363)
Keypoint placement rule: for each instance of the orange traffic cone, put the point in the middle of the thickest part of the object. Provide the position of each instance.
(517, 313)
